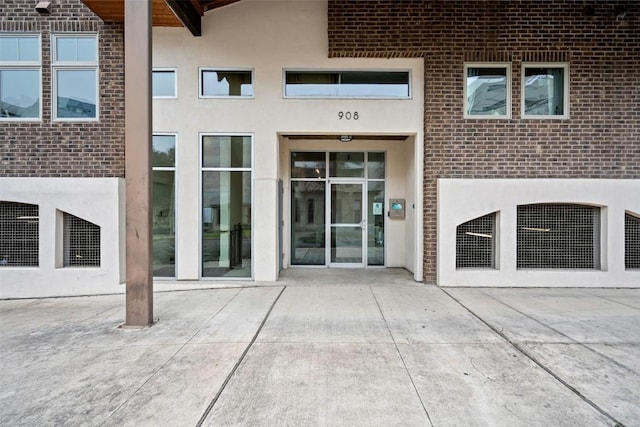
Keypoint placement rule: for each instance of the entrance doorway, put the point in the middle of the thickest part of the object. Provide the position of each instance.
(337, 206)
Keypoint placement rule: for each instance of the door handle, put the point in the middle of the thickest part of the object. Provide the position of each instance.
(363, 223)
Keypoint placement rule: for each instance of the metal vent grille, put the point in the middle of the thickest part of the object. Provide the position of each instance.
(631, 241)
(81, 242)
(558, 236)
(475, 243)
(18, 235)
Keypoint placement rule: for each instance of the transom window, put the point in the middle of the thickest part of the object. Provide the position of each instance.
(224, 83)
(20, 69)
(164, 83)
(545, 91)
(487, 90)
(75, 76)
(347, 84)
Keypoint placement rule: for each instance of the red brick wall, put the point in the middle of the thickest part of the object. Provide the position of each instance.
(66, 149)
(600, 41)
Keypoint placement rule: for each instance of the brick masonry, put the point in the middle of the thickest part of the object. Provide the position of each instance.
(67, 149)
(599, 39)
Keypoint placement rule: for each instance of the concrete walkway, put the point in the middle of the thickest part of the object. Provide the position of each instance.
(356, 350)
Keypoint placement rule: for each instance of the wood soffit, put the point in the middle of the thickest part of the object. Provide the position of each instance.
(166, 13)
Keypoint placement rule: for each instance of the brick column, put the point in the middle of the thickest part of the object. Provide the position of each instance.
(139, 233)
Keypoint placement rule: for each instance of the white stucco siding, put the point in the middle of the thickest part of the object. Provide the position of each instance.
(269, 37)
(97, 200)
(461, 200)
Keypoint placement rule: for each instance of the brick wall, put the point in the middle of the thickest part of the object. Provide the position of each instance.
(67, 149)
(599, 39)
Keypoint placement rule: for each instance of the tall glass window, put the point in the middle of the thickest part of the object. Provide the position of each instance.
(487, 91)
(164, 211)
(226, 205)
(375, 208)
(20, 77)
(75, 76)
(545, 91)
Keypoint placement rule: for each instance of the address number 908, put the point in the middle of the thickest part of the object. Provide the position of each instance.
(348, 115)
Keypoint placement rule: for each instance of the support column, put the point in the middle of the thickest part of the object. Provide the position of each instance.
(138, 133)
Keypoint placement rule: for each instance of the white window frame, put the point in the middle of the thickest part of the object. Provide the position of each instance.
(26, 66)
(508, 89)
(201, 70)
(565, 67)
(73, 66)
(347, 70)
(175, 81)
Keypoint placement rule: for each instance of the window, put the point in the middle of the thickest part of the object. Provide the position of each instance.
(75, 76)
(164, 83)
(487, 91)
(545, 91)
(81, 242)
(164, 207)
(226, 205)
(221, 83)
(558, 236)
(20, 77)
(475, 242)
(347, 84)
(18, 235)
(631, 241)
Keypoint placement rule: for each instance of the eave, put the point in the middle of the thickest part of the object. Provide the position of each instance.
(165, 13)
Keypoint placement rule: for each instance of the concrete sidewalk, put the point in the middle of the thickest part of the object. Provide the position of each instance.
(334, 352)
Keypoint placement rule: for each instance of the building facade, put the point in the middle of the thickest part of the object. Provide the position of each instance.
(471, 143)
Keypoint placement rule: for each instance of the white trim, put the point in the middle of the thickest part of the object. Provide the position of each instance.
(73, 66)
(201, 70)
(173, 70)
(25, 66)
(566, 103)
(508, 89)
(340, 70)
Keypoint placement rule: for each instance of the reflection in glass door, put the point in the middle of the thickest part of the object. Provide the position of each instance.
(347, 224)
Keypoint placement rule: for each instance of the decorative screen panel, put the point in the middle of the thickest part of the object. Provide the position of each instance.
(81, 242)
(558, 236)
(18, 235)
(631, 241)
(475, 243)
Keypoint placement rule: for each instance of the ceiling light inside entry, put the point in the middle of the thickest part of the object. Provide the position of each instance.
(345, 138)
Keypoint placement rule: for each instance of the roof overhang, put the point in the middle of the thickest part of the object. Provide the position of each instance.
(165, 13)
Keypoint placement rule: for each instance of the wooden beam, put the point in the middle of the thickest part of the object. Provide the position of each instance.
(187, 14)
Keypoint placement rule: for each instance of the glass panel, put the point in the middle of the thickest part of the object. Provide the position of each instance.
(544, 91)
(164, 83)
(226, 151)
(346, 165)
(226, 83)
(164, 150)
(487, 91)
(346, 203)
(375, 223)
(308, 165)
(380, 84)
(164, 227)
(375, 166)
(308, 219)
(20, 93)
(226, 224)
(19, 49)
(76, 93)
(76, 49)
(346, 245)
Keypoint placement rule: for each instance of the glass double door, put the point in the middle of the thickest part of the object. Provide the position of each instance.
(337, 205)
